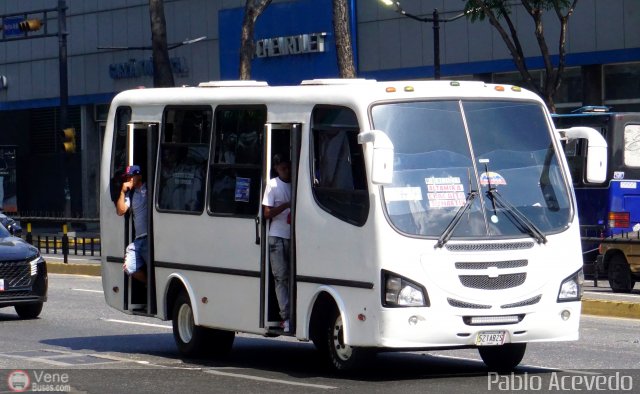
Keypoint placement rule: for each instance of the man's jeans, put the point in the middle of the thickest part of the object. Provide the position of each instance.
(279, 260)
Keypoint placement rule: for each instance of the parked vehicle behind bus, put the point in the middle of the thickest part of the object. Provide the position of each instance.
(610, 208)
(424, 215)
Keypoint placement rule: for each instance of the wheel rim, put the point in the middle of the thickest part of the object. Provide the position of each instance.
(185, 323)
(342, 351)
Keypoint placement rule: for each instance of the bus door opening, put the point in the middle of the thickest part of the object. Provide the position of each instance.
(139, 297)
(282, 140)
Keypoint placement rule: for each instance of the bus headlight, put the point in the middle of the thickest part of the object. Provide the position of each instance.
(400, 292)
(571, 288)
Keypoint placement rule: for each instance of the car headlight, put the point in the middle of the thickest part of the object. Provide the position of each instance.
(400, 292)
(33, 263)
(572, 288)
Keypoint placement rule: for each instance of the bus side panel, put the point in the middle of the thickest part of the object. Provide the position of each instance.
(219, 259)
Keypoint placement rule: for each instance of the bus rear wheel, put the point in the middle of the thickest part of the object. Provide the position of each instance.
(619, 275)
(193, 340)
(503, 358)
(342, 356)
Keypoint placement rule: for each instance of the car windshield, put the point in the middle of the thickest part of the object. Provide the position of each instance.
(445, 150)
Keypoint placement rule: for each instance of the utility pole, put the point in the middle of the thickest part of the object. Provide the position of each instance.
(62, 63)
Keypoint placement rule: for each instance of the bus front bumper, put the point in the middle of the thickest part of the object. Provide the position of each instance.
(426, 328)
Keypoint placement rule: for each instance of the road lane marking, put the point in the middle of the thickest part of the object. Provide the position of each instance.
(89, 291)
(138, 323)
(269, 380)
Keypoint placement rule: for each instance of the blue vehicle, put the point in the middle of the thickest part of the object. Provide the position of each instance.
(613, 207)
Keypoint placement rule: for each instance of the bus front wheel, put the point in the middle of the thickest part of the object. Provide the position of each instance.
(619, 275)
(342, 356)
(503, 358)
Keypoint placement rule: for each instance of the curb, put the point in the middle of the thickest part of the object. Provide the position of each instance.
(74, 269)
(629, 310)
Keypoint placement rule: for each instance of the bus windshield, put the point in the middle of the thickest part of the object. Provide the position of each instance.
(494, 160)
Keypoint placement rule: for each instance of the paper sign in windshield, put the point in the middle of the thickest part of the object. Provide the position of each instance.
(402, 194)
(445, 192)
(492, 177)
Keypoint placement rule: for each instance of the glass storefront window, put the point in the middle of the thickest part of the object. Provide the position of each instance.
(622, 81)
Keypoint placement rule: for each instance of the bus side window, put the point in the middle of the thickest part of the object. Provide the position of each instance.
(184, 152)
(234, 184)
(119, 153)
(339, 176)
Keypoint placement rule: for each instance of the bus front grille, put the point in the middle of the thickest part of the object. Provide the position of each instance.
(498, 264)
(527, 302)
(464, 304)
(486, 282)
(469, 247)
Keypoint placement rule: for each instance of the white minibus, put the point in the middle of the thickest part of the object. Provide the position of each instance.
(424, 215)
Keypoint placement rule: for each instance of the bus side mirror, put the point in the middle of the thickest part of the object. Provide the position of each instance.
(596, 151)
(382, 157)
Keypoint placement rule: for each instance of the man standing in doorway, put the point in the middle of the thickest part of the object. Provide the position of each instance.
(134, 195)
(276, 206)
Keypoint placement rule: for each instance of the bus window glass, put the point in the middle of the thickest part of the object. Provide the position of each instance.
(119, 158)
(632, 145)
(184, 151)
(523, 164)
(236, 165)
(339, 178)
(434, 172)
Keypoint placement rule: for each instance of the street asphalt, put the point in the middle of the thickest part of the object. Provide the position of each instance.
(598, 299)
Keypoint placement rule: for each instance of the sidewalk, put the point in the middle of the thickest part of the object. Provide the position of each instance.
(76, 265)
(597, 301)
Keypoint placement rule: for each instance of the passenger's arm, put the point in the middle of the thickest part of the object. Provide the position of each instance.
(121, 206)
(271, 212)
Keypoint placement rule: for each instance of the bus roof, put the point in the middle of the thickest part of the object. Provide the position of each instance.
(322, 91)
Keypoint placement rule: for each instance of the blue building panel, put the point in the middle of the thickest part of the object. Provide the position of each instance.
(290, 19)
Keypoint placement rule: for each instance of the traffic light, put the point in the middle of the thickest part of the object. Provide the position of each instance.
(69, 142)
(30, 25)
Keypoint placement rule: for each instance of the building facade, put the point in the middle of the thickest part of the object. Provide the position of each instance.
(107, 52)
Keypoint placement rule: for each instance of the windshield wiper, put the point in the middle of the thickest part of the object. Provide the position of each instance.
(448, 232)
(519, 216)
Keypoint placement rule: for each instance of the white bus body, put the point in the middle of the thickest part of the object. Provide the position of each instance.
(467, 238)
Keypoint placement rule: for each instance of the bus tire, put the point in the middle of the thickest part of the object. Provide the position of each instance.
(29, 311)
(503, 358)
(221, 341)
(191, 340)
(619, 275)
(341, 356)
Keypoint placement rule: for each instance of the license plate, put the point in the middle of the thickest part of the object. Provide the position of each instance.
(491, 338)
(1, 284)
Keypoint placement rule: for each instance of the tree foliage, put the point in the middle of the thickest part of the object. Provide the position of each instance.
(252, 10)
(498, 13)
(162, 74)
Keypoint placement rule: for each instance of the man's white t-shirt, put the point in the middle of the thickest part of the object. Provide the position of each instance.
(276, 194)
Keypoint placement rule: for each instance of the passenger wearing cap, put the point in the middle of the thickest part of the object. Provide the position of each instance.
(133, 195)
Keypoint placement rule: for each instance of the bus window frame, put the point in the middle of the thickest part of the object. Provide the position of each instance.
(212, 152)
(358, 222)
(162, 143)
